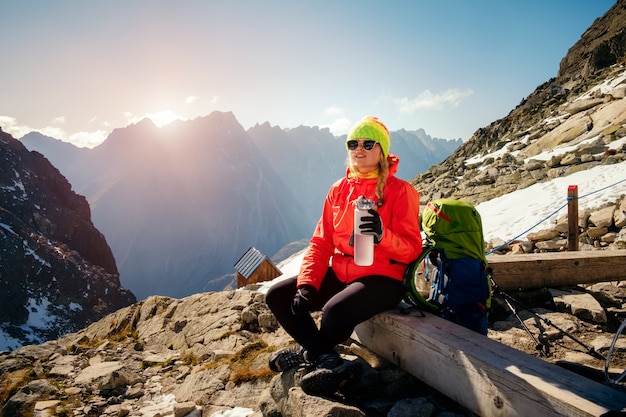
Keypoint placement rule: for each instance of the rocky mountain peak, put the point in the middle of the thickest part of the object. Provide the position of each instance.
(601, 46)
(581, 112)
(57, 272)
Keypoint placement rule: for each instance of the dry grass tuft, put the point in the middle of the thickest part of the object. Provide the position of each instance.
(241, 364)
(12, 382)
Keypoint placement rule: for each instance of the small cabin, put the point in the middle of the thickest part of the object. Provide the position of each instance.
(255, 267)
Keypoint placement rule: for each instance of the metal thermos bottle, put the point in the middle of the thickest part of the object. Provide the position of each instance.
(363, 244)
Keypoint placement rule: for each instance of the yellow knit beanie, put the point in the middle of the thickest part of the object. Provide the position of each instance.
(371, 128)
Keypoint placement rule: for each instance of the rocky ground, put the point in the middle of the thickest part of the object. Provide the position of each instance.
(206, 355)
(572, 327)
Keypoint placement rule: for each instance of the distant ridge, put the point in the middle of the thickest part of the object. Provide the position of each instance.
(180, 204)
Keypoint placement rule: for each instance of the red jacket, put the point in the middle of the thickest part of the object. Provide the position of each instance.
(401, 243)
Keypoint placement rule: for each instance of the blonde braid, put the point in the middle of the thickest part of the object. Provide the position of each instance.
(382, 178)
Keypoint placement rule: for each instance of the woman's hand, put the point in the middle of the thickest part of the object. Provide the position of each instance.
(372, 225)
(302, 300)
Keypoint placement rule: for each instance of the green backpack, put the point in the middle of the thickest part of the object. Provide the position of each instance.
(456, 227)
(450, 278)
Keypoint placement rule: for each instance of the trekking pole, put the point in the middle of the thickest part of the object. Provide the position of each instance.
(541, 347)
(607, 375)
(591, 351)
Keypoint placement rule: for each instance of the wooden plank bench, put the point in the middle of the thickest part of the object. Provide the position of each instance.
(557, 269)
(487, 377)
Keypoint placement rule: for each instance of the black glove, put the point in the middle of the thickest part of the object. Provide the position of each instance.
(302, 300)
(372, 225)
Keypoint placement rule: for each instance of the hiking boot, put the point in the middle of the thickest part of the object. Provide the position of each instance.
(348, 373)
(286, 358)
(328, 361)
(321, 382)
(326, 382)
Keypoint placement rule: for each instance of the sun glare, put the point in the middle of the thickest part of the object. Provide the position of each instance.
(164, 117)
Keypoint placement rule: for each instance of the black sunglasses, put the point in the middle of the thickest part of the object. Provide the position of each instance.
(368, 145)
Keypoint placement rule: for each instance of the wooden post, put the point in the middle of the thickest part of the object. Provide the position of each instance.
(572, 218)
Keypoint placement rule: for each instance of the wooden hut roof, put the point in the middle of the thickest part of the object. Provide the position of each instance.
(250, 261)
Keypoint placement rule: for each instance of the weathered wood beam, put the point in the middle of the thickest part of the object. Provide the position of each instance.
(487, 377)
(554, 269)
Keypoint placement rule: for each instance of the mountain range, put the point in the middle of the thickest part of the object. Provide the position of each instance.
(223, 182)
(207, 353)
(180, 204)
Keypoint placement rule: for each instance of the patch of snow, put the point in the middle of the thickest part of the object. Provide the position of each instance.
(235, 412)
(38, 315)
(17, 185)
(75, 307)
(517, 213)
(560, 150)
(8, 229)
(39, 318)
(549, 120)
(30, 252)
(616, 144)
(159, 405)
(605, 87)
(495, 155)
(8, 342)
(290, 267)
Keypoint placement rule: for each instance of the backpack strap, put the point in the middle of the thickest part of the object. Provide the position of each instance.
(438, 212)
(416, 281)
(439, 287)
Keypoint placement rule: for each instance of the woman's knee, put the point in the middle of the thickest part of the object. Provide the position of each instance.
(339, 313)
(280, 293)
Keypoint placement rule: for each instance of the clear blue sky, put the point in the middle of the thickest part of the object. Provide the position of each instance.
(78, 69)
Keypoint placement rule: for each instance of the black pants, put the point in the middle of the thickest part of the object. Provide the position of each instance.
(343, 307)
